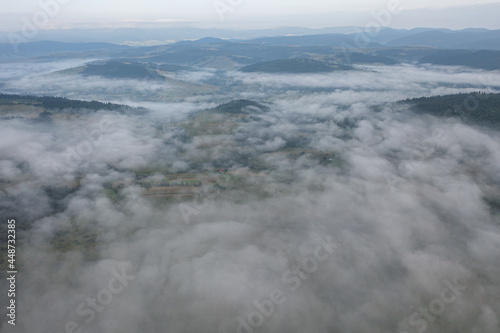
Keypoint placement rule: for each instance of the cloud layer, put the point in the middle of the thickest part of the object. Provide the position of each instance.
(381, 225)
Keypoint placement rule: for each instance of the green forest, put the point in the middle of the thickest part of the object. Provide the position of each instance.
(240, 106)
(61, 103)
(120, 70)
(476, 108)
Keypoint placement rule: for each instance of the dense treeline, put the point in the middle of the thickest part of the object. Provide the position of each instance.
(475, 108)
(120, 70)
(64, 103)
(61, 103)
(239, 106)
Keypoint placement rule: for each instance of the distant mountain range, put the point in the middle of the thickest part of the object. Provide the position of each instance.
(476, 48)
(447, 39)
(36, 49)
(489, 60)
(294, 66)
(335, 40)
(145, 36)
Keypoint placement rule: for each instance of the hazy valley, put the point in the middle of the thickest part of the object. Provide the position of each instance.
(269, 184)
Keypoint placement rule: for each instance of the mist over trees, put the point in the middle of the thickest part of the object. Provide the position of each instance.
(474, 108)
(279, 184)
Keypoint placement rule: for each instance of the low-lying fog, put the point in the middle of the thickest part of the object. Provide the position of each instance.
(399, 238)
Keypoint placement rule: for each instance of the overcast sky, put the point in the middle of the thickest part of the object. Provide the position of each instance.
(455, 14)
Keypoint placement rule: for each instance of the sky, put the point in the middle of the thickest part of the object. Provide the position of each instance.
(244, 14)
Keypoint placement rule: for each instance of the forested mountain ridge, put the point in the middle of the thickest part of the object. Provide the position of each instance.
(60, 103)
(477, 108)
